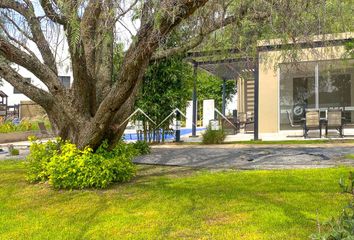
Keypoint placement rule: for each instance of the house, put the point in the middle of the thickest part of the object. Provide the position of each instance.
(285, 77)
(318, 75)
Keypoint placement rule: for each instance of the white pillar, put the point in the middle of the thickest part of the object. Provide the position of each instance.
(208, 111)
(189, 114)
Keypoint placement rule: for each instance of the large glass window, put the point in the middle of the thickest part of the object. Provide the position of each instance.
(319, 85)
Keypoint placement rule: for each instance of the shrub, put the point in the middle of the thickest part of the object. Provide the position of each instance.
(213, 136)
(142, 147)
(24, 125)
(347, 187)
(65, 166)
(341, 228)
(39, 158)
(14, 152)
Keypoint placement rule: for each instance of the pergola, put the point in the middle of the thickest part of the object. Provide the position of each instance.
(228, 65)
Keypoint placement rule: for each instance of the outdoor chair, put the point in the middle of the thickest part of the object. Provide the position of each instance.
(43, 130)
(242, 118)
(334, 121)
(292, 124)
(246, 121)
(249, 125)
(312, 121)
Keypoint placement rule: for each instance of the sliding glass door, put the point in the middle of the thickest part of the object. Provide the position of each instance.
(317, 85)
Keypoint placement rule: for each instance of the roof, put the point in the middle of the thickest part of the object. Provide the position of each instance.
(229, 68)
(323, 40)
(2, 94)
(315, 38)
(226, 64)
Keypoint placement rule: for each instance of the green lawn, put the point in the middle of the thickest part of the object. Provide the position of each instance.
(173, 203)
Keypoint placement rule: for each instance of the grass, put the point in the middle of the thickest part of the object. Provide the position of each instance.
(349, 156)
(173, 203)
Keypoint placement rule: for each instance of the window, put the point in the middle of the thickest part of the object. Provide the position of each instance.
(16, 91)
(321, 85)
(65, 80)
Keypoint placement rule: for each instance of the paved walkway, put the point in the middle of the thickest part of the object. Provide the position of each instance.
(238, 156)
(251, 157)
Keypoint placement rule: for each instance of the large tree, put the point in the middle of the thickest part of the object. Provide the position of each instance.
(103, 95)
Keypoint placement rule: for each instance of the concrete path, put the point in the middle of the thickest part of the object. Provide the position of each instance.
(251, 157)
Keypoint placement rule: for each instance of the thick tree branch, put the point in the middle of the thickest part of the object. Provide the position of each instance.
(27, 11)
(38, 95)
(21, 44)
(15, 55)
(88, 30)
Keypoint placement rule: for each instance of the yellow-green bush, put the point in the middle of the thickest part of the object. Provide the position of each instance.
(65, 166)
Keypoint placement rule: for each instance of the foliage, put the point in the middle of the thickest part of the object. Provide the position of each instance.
(14, 152)
(24, 125)
(142, 147)
(39, 157)
(210, 87)
(347, 187)
(65, 166)
(213, 136)
(341, 228)
(350, 48)
(166, 86)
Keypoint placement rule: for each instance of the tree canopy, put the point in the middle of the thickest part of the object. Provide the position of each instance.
(166, 86)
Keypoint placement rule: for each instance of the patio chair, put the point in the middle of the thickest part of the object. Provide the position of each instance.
(312, 121)
(249, 127)
(242, 118)
(334, 121)
(246, 120)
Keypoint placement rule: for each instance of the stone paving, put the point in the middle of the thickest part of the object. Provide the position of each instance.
(238, 156)
(250, 157)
